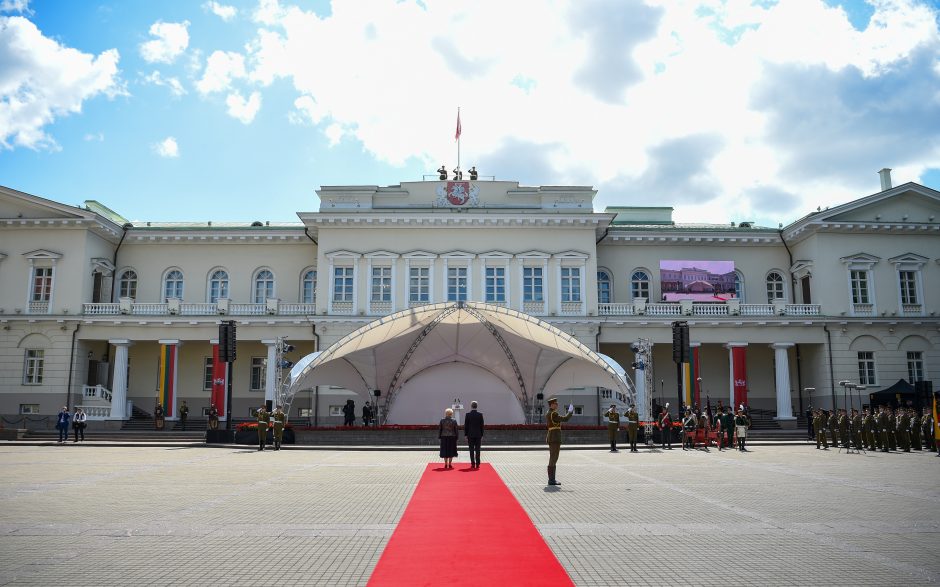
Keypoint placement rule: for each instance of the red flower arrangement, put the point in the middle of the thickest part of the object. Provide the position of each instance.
(253, 427)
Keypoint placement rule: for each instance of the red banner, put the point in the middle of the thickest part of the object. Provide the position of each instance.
(739, 372)
(218, 381)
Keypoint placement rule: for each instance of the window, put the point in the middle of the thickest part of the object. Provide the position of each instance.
(570, 284)
(258, 373)
(866, 367)
(640, 285)
(336, 410)
(128, 285)
(739, 285)
(342, 284)
(29, 409)
(304, 412)
(264, 286)
(908, 284)
(308, 294)
(218, 286)
(495, 284)
(915, 366)
(32, 370)
(42, 284)
(603, 287)
(207, 374)
(859, 280)
(419, 284)
(173, 285)
(579, 410)
(775, 290)
(532, 284)
(456, 284)
(381, 284)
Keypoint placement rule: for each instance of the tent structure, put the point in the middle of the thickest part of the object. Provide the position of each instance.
(897, 394)
(528, 356)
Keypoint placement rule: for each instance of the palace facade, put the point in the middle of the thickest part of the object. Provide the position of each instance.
(115, 316)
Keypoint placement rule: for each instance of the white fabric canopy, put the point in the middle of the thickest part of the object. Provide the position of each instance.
(528, 355)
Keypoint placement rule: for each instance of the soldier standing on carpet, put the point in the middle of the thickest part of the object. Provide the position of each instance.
(633, 424)
(553, 439)
(280, 418)
(613, 426)
(263, 416)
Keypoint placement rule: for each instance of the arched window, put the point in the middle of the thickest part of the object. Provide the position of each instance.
(603, 287)
(173, 285)
(739, 285)
(264, 286)
(308, 293)
(775, 287)
(640, 284)
(218, 285)
(127, 287)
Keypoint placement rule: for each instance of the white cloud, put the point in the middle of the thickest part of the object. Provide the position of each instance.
(688, 115)
(172, 38)
(21, 6)
(167, 148)
(41, 80)
(242, 109)
(157, 79)
(221, 68)
(97, 137)
(223, 11)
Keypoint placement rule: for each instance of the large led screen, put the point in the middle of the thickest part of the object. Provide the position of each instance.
(700, 281)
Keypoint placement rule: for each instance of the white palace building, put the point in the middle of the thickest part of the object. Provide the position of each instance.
(116, 316)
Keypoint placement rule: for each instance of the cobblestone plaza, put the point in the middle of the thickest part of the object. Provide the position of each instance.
(162, 515)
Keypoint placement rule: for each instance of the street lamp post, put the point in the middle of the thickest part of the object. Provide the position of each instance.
(843, 383)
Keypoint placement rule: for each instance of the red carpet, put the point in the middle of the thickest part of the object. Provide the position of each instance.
(464, 527)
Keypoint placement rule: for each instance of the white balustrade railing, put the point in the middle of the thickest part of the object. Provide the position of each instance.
(148, 309)
(247, 309)
(417, 303)
(198, 309)
(912, 310)
(710, 309)
(342, 307)
(615, 309)
(38, 308)
(96, 412)
(101, 309)
(757, 309)
(96, 392)
(663, 309)
(534, 308)
(571, 309)
(297, 309)
(863, 309)
(379, 308)
(802, 310)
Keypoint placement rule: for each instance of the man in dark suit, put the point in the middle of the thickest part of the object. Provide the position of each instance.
(473, 431)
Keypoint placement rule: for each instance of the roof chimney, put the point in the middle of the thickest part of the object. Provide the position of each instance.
(885, 178)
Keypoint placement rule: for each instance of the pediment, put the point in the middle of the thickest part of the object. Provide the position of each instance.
(571, 255)
(496, 255)
(15, 204)
(535, 254)
(342, 253)
(381, 255)
(458, 255)
(860, 259)
(43, 254)
(909, 260)
(910, 203)
(419, 255)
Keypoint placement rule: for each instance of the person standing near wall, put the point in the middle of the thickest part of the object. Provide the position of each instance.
(79, 419)
(553, 438)
(62, 424)
(263, 417)
(613, 426)
(633, 425)
(280, 418)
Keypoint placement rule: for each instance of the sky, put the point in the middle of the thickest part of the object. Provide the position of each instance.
(727, 110)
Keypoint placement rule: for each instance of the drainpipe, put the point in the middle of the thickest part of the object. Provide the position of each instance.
(68, 388)
(832, 378)
(796, 349)
(316, 389)
(597, 349)
(310, 237)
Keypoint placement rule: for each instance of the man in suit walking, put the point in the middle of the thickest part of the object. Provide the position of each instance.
(473, 431)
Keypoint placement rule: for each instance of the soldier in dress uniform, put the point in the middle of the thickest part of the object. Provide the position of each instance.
(819, 425)
(159, 419)
(553, 438)
(855, 426)
(927, 429)
(916, 444)
(882, 422)
(184, 414)
(633, 424)
(844, 429)
(613, 426)
(904, 430)
(280, 418)
(892, 430)
(868, 429)
(833, 425)
(263, 417)
(213, 421)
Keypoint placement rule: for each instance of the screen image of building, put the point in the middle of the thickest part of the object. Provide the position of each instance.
(118, 316)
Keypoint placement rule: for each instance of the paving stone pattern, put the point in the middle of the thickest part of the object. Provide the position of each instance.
(789, 515)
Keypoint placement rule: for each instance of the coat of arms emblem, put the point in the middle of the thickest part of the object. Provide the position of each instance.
(457, 193)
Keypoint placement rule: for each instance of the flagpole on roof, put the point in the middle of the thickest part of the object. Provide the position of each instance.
(457, 137)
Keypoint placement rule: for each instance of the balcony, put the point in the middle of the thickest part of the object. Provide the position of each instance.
(912, 310)
(863, 309)
(732, 308)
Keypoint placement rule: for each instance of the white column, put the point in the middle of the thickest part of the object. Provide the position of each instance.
(782, 373)
(270, 371)
(730, 346)
(119, 393)
(330, 284)
(546, 286)
(355, 291)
